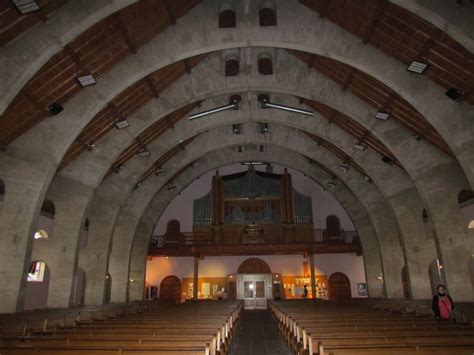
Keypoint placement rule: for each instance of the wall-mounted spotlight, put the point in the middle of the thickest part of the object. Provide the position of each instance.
(331, 184)
(143, 152)
(234, 102)
(55, 108)
(265, 101)
(160, 172)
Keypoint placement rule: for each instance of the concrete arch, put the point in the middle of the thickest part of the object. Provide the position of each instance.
(139, 229)
(281, 136)
(38, 45)
(152, 110)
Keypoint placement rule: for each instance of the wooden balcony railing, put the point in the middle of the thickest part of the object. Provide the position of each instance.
(313, 236)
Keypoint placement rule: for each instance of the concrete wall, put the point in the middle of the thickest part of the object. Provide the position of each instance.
(288, 265)
(324, 204)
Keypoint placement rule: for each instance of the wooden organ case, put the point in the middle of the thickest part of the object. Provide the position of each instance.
(252, 207)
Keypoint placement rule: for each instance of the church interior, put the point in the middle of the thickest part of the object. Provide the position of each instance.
(236, 177)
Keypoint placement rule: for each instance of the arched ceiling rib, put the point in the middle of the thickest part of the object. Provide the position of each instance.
(94, 51)
(127, 102)
(360, 84)
(134, 25)
(375, 94)
(405, 36)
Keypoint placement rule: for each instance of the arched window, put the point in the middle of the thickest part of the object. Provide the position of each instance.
(466, 204)
(265, 66)
(41, 234)
(37, 287)
(172, 231)
(267, 17)
(48, 208)
(227, 19)
(36, 271)
(333, 226)
(232, 67)
(45, 224)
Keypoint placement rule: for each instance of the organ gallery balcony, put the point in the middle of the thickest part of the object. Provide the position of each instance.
(248, 241)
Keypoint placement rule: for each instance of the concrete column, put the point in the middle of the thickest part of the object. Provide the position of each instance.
(313, 276)
(195, 279)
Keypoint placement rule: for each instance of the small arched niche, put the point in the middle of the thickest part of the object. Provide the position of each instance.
(267, 14)
(265, 64)
(232, 66)
(227, 18)
(466, 204)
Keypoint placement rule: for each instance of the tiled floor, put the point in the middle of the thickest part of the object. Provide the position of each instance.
(258, 335)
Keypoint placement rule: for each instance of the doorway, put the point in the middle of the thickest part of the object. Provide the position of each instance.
(254, 291)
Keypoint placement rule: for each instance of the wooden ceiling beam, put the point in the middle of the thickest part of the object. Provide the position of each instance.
(169, 12)
(122, 28)
(375, 20)
(324, 9)
(35, 103)
(187, 66)
(152, 86)
(349, 80)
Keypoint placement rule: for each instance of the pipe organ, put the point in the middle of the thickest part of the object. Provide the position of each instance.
(252, 202)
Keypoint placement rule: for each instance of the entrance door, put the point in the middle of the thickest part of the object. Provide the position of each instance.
(254, 294)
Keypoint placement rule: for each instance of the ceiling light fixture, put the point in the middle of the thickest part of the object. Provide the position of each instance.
(86, 80)
(331, 184)
(360, 146)
(26, 6)
(253, 163)
(263, 127)
(417, 67)
(160, 172)
(382, 115)
(121, 123)
(265, 100)
(143, 152)
(344, 167)
(171, 187)
(234, 105)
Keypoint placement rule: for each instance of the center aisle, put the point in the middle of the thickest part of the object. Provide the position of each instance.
(258, 334)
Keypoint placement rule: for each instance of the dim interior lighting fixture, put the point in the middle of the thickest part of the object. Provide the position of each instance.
(331, 184)
(417, 67)
(160, 172)
(263, 127)
(106, 277)
(380, 278)
(143, 152)
(117, 168)
(253, 163)
(26, 6)
(368, 179)
(132, 280)
(172, 187)
(234, 102)
(344, 167)
(86, 80)
(360, 146)
(121, 123)
(55, 108)
(382, 115)
(90, 146)
(237, 128)
(454, 93)
(265, 101)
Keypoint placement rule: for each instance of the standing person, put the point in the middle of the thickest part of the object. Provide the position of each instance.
(305, 291)
(442, 304)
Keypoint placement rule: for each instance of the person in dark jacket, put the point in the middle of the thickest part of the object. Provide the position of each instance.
(442, 304)
(305, 291)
